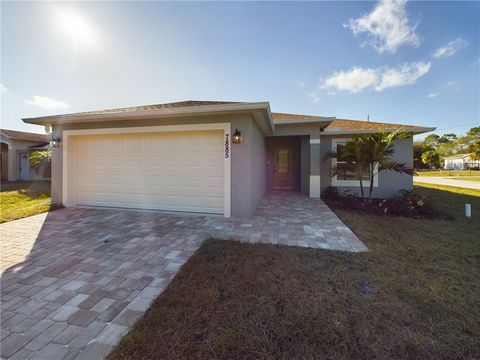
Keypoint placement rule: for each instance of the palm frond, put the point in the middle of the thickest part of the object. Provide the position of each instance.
(396, 166)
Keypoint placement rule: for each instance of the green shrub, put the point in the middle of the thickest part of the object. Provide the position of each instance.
(41, 162)
(404, 203)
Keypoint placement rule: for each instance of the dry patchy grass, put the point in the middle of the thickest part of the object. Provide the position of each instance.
(414, 295)
(24, 198)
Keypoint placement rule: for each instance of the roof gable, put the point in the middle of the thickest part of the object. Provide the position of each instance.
(24, 136)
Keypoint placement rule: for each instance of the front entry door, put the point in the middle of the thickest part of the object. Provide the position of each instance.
(283, 168)
(24, 167)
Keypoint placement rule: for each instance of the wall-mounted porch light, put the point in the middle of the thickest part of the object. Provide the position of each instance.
(237, 137)
(55, 142)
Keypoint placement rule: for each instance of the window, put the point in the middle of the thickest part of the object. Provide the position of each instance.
(282, 165)
(346, 177)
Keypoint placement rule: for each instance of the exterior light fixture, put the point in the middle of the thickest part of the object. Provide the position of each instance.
(55, 142)
(237, 137)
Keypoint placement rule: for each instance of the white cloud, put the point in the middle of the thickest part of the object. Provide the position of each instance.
(451, 48)
(302, 84)
(3, 88)
(358, 79)
(353, 80)
(387, 27)
(432, 95)
(452, 85)
(405, 74)
(46, 102)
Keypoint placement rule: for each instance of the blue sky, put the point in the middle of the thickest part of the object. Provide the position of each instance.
(414, 63)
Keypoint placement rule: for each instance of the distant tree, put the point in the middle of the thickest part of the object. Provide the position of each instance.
(474, 150)
(473, 141)
(475, 131)
(431, 158)
(469, 142)
(418, 149)
(431, 141)
(446, 138)
(435, 147)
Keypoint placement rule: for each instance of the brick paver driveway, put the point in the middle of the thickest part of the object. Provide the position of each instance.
(75, 280)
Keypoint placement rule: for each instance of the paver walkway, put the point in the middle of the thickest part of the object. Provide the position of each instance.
(75, 280)
(447, 182)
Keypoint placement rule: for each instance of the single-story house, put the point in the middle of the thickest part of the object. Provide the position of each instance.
(16, 147)
(203, 156)
(460, 162)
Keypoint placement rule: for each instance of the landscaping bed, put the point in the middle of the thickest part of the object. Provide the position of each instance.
(404, 203)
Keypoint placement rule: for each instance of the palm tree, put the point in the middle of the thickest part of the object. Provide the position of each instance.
(366, 155)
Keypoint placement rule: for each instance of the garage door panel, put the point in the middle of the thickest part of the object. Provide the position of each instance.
(135, 142)
(180, 171)
(214, 182)
(156, 180)
(154, 161)
(85, 196)
(213, 203)
(136, 179)
(116, 143)
(134, 163)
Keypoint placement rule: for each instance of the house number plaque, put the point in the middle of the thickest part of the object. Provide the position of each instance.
(227, 146)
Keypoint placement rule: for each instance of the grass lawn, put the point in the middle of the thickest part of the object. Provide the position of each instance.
(445, 173)
(414, 295)
(468, 178)
(24, 198)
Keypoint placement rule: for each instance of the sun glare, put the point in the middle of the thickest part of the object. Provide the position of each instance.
(75, 26)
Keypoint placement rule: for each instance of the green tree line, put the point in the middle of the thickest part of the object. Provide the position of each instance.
(430, 152)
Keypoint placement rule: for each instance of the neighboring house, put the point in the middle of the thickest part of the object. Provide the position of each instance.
(16, 147)
(184, 156)
(460, 162)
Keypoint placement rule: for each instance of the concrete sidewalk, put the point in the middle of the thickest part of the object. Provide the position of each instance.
(447, 182)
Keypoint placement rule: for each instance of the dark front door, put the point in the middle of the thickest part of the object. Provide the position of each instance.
(283, 177)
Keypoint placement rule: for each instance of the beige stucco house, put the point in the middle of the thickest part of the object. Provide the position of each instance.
(203, 156)
(16, 147)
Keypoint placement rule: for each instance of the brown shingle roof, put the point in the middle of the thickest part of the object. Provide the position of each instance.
(178, 104)
(341, 124)
(327, 123)
(25, 136)
(346, 125)
(285, 116)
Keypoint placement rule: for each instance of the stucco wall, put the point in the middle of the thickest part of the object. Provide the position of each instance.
(389, 182)
(247, 169)
(258, 163)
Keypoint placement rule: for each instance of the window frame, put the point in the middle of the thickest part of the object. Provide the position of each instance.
(349, 183)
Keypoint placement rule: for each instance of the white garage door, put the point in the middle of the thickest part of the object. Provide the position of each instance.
(179, 171)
